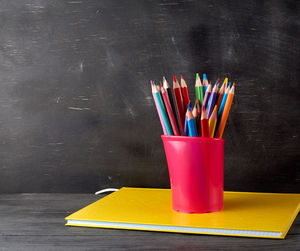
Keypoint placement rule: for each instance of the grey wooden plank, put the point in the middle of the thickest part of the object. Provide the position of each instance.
(36, 222)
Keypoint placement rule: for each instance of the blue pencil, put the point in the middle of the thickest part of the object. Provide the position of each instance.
(220, 112)
(191, 122)
(205, 84)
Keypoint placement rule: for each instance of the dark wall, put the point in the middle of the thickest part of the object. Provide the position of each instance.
(76, 110)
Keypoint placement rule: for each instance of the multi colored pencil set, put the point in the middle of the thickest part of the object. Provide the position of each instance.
(208, 116)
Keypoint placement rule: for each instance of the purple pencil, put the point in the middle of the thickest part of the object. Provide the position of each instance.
(212, 101)
(186, 128)
(206, 97)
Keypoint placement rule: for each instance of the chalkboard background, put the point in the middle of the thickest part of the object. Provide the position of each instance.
(76, 109)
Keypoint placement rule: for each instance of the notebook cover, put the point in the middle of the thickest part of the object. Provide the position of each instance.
(267, 215)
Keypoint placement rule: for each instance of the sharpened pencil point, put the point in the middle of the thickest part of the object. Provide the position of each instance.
(174, 78)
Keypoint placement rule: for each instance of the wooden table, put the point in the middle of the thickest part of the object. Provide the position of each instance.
(36, 222)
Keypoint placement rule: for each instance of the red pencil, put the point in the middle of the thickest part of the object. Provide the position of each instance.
(204, 123)
(185, 93)
(179, 102)
(172, 102)
(169, 111)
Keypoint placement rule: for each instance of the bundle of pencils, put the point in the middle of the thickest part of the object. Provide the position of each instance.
(209, 114)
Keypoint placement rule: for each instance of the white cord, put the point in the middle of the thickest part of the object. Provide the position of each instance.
(106, 190)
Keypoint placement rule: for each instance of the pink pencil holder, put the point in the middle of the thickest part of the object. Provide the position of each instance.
(196, 170)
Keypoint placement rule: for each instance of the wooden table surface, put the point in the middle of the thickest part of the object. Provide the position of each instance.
(36, 222)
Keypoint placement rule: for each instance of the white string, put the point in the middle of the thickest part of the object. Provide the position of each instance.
(106, 190)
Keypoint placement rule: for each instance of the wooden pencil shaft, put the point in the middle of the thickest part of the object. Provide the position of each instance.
(164, 113)
(170, 111)
(174, 108)
(159, 113)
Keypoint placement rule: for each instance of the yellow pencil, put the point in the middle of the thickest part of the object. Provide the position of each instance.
(212, 122)
(225, 113)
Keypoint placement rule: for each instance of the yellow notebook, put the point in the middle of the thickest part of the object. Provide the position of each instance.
(266, 215)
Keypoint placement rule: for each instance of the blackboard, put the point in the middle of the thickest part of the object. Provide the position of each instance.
(77, 113)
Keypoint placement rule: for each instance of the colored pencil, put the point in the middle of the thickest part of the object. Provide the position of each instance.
(225, 113)
(195, 114)
(169, 111)
(212, 101)
(220, 96)
(218, 83)
(158, 110)
(205, 84)
(198, 116)
(221, 108)
(191, 122)
(179, 101)
(206, 97)
(204, 123)
(186, 127)
(199, 89)
(198, 108)
(220, 111)
(172, 102)
(212, 122)
(163, 110)
(185, 93)
(225, 81)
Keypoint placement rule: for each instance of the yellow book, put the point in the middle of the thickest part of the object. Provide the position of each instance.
(266, 215)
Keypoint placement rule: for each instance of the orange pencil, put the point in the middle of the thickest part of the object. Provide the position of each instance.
(185, 93)
(225, 112)
(204, 123)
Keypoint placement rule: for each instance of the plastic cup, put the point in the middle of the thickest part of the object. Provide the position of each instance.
(196, 170)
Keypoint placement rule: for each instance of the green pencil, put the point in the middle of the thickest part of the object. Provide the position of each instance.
(199, 89)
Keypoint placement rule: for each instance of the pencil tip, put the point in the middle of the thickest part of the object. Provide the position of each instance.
(189, 106)
(174, 78)
(197, 76)
(204, 76)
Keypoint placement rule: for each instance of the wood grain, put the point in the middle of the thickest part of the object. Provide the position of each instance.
(36, 222)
